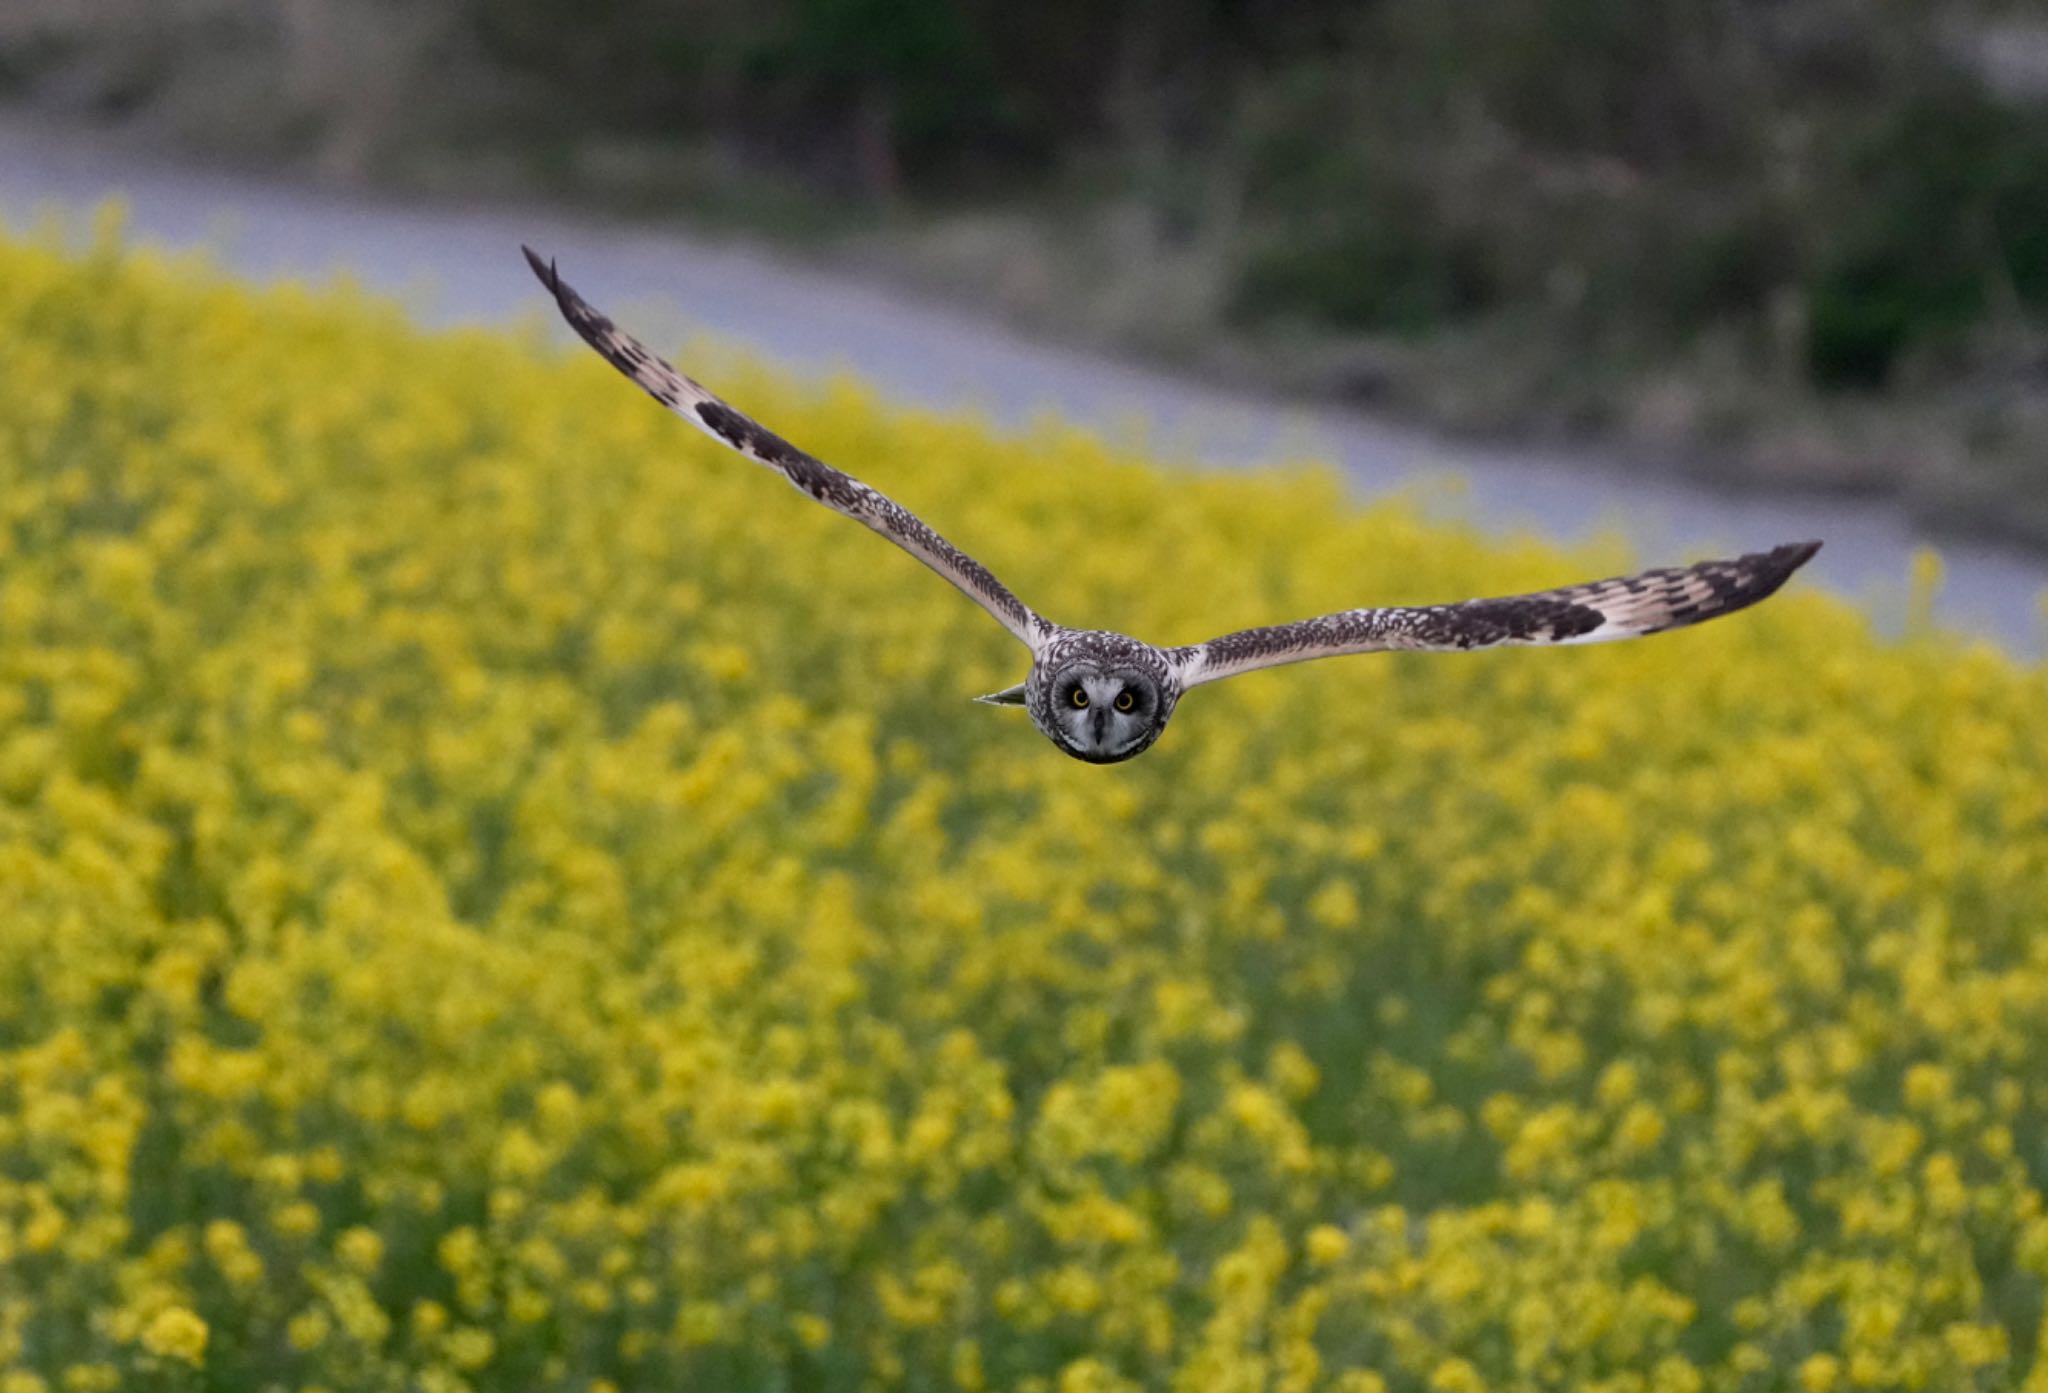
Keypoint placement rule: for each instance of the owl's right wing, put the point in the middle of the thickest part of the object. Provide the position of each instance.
(1595, 612)
(838, 491)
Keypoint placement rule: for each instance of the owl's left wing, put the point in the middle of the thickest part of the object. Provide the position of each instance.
(838, 491)
(1595, 612)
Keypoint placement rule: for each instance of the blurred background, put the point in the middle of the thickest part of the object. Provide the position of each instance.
(1790, 244)
(498, 896)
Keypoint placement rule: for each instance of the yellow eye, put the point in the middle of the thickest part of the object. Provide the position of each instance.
(1080, 697)
(1124, 700)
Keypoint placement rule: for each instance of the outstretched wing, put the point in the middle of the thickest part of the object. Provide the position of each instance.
(838, 491)
(1625, 607)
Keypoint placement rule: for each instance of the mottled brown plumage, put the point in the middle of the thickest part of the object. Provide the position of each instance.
(1105, 697)
(1595, 612)
(829, 486)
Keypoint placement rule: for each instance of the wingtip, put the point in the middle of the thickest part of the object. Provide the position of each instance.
(544, 269)
(1786, 559)
(1771, 569)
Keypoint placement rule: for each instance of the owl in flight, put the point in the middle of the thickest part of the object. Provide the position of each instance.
(1104, 697)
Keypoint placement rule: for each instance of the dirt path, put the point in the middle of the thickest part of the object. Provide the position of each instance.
(461, 264)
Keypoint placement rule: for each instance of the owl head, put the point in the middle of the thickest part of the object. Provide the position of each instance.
(1101, 697)
(1100, 711)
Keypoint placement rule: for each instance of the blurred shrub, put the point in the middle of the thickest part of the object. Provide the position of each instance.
(498, 893)
(1949, 217)
(1628, 174)
(1360, 234)
(1643, 172)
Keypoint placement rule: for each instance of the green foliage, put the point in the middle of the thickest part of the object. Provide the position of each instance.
(1617, 177)
(1950, 215)
(1646, 172)
(1356, 235)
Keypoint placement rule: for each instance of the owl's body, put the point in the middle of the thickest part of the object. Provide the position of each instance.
(1105, 697)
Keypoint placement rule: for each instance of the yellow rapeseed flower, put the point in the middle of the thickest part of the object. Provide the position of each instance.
(1327, 1244)
(492, 891)
(1819, 1372)
(176, 1333)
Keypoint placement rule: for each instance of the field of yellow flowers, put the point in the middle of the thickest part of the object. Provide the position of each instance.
(498, 893)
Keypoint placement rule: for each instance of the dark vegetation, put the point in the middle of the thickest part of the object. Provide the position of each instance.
(1767, 227)
(1633, 167)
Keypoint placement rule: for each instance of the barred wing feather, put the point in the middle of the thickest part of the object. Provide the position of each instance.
(1595, 612)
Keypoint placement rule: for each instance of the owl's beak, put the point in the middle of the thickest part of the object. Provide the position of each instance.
(1009, 696)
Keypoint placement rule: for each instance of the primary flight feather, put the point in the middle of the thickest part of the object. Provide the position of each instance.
(1105, 697)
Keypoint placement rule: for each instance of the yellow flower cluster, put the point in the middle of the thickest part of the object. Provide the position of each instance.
(498, 893)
